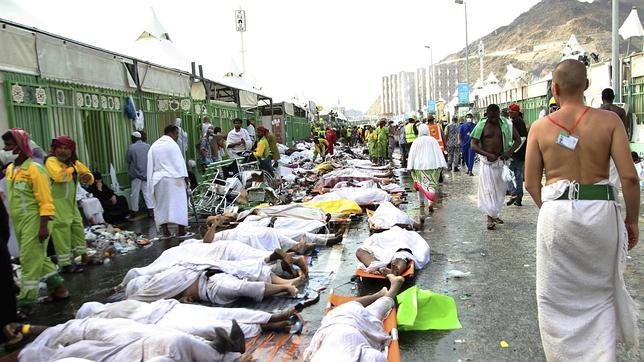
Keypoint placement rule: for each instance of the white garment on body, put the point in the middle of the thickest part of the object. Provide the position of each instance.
(230, 281)
(386, 245)
(351, 332)
(194, 319)
(182, 141)
(387, 216)
(204, 128)
(423, 129)
(224, 289)
(118, 339)
(166, 182)
(290, 227)
(492, 188)
(257, 237)
(234, 137)
(362, 196)
(289, 210)
(425, 154)
(90, 205)
(251, 132)
(584, 307)
(226, 250)
(139, 186)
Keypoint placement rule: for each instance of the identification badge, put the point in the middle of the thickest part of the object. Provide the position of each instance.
(566, 140)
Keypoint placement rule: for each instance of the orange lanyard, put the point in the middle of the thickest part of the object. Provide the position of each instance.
(571, 130)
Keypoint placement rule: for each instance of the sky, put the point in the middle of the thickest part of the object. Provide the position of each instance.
(328, 51)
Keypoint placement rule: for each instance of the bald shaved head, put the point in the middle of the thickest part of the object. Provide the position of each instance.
(570, 77)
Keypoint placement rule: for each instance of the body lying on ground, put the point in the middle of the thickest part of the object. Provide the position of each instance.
(391, 250)
(363, 196)
(218, 283)
(118, 339)
(387, 216)
(194, 319)
(354, 331)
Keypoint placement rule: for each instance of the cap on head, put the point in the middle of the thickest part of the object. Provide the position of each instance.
(136, 134)
(514, 107)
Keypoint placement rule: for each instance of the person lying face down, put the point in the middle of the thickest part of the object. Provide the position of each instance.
(194, 319)
(211, 283)
(390, 251)
(126, 340)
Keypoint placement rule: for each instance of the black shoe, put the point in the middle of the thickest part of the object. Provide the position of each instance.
(512, 200)
(456, 169)
(518, 202)
(471, 173)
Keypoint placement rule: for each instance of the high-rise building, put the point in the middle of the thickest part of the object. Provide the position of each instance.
(399, 93)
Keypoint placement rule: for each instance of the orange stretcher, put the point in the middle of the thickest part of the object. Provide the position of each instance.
(409, 272)
(390, 324)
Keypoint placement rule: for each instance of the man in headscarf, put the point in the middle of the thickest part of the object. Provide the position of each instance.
(66, 171)
(115, 207)
(182, 139)
(31, 207)
(263, 151)
(425, 162)
(167, 180)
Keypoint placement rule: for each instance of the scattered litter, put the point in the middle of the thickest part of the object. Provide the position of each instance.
(482, 254)
(526, 265)
(504, 344)
(107, 240)
(465, 296)
(467, 242)
(459, 341)
(455, 260)
(457, 274)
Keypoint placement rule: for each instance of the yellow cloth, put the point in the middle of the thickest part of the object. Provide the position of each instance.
(324, 166)
(337, 207)
(263, 150)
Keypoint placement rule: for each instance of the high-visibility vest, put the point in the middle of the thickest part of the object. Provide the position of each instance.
(410, 136)
(435, 131)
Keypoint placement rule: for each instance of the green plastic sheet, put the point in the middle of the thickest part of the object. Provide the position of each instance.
(421, 310)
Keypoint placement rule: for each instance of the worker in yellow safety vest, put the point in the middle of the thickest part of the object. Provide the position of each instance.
(411, 131)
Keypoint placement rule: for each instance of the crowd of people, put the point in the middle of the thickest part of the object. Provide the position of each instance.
(582, 236)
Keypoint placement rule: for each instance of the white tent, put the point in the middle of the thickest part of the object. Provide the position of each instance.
(632, 26)
(572, 49)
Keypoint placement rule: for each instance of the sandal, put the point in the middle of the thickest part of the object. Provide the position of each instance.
(71, 269)
(491, 225)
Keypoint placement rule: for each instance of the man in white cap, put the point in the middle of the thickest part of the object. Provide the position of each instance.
(137, 169)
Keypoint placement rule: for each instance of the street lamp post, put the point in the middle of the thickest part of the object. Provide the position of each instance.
(431, 63)
(467, 53)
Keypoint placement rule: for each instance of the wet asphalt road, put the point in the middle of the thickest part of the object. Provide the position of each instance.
(495, 303)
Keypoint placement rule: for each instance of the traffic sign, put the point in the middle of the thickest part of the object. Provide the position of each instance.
(240, 20)
(431, 106)
(463, 93)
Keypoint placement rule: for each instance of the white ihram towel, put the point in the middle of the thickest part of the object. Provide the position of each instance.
(491, 190)
(584, 307)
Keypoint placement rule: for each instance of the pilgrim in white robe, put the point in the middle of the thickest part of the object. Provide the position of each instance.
(294, 210)
(117, 340)
(362, 196)
(292, 228)
(425, 160)
(166, 182)
(258, 237)
(90, 205)
(352, 332)
(227, 250)
(387, 216)
(233, 280)
(492, 188)
(584, 307)
(387, 245)
(194, 319)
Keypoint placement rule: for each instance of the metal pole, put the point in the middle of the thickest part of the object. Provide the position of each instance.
(241, 34)
(616, 64)
(431, 59)
(467, 53)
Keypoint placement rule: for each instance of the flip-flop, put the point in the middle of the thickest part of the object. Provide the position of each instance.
(498, 221)
(71, 269)
(490, 225)
(297, 324)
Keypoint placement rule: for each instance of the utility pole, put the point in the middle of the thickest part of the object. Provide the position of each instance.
(240, 25)
(616, 64)
(481, 55)
(467, 42)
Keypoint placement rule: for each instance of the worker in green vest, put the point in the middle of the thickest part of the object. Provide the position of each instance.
(382, 140)
(67, 233)
(31, 207)
(410, 135)
(263, 151)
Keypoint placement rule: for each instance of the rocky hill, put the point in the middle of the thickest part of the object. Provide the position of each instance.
(533, 42)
